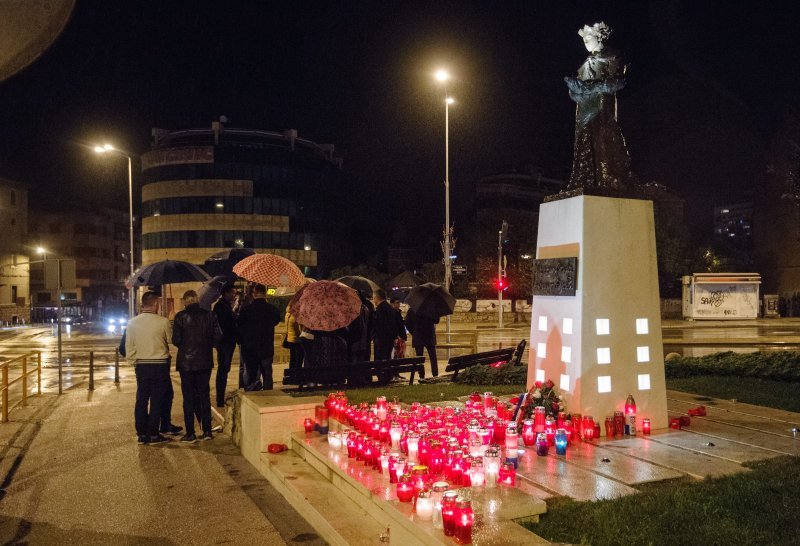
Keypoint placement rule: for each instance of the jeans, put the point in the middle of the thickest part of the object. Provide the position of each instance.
(295, 355)
(432, 356)
(224, 357)
(383, 351)
(258, 370)
(151, 389)
(196, 399)
(166, 407)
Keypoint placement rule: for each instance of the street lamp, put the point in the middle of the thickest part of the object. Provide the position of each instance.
(443, 76)
(105, 149)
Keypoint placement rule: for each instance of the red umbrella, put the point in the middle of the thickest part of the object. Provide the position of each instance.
(269, 270)
(326, 306)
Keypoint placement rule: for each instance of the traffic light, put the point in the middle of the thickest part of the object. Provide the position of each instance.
(502, 284)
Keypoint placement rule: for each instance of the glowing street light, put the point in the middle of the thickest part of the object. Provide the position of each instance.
(106, 149)
(443, 76)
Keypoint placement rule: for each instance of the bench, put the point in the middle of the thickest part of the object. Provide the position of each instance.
(356, 373)
(516, 360)
(497, 357)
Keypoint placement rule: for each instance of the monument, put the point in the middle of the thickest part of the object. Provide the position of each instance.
(596, 324)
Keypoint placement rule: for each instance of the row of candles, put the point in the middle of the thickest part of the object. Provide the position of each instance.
(430, 452)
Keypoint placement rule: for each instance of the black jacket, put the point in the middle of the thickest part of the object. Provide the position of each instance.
(423, 330)
(257, 324)
(195, 331)
(227, 321)
(387, 325)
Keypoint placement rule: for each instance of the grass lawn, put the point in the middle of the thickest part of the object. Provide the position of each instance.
(758, 507)
(751, 390)
(421, 393)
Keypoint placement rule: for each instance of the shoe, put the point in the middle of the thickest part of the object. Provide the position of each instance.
(207, 436)
(216, 428)
(173, 430)
(142, 439)
(188, 439)
(157, 439)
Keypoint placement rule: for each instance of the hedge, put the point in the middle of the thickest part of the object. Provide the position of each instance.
(774, 365)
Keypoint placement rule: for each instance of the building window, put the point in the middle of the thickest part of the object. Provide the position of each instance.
(13, 293)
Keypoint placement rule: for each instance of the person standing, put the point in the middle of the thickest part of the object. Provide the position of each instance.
(293, 340)
(359, 333)
(388, 326)
(256, 326)
(147, 350)
(423, 336)
(226, 318)
(195, 331)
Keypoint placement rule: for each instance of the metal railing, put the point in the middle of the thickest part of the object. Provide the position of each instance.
(23, 378)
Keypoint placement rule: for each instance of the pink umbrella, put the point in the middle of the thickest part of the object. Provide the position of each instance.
(326, 306)
(269, 270)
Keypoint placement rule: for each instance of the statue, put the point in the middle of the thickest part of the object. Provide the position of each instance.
(600, 164)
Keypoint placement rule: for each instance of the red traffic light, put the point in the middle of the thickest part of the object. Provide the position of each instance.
(502, 284)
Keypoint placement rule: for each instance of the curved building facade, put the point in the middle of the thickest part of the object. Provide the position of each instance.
(206, 190)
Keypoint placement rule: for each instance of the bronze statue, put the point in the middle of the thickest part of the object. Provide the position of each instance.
(600, 164)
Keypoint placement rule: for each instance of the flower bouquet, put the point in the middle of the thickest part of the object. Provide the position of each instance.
(540, 394)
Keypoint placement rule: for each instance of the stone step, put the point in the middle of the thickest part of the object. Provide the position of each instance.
(681, 401)
(495, 508)
(628, 470)
(753, 443)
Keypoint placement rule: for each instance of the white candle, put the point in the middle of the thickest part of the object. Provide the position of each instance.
(425, 508)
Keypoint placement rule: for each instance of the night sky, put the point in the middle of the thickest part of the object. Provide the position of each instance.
(708, 88)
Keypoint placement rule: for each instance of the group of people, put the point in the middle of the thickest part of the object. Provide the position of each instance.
(377, 333)
(248, 320)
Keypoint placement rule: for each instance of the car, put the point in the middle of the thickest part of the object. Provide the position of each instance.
(115, 325)
(73, 319)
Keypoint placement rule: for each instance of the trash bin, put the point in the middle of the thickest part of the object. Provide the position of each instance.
(770, 309)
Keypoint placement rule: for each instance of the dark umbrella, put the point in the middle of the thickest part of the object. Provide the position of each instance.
(431, 301)
(211, 290)
(364, 286)
(222, 262)
(166, 272)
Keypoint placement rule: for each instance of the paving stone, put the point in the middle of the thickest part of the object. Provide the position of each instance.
(625, 469)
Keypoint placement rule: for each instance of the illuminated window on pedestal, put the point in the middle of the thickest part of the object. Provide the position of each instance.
(540, 375)
(564, 383)
(566, 354)
(542, 324)
(603, 327)
(642, 354)
(604, 355)
(604, 383)
(567, 326)
(644, 382)
(541, 350)
(641, 326)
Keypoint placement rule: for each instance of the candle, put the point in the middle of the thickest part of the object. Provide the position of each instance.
(400, 466)
(424, 506)
(630, 424)
(528, 434)
(512, 439)
(395, 432)
(308, 425)
(384, 462)
(508, 475)
(588, 427)
(491, 466)
(630, 405)
(646, 426)
(619, 424)
(609, 426)
(424, 449)
(561, 419)
(405, 489)
(561, 442)
(412, 444)
(449, 512)
(437, 493)
(436, 458)
(476, 474)
(456, 467)
(335, 440)
(392, 468)
(475, 448)
(542, 444)
(351, 445)
(577, 424)
(539, 416)
(324, 414)
(550, 431)
(465, 518)
(381, 407)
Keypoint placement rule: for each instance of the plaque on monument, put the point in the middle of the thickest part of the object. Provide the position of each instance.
(555, 277)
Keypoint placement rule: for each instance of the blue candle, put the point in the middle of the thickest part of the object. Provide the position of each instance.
(561, 442)
(541, 444)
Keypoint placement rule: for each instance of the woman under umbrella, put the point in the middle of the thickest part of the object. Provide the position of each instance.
(427, 303)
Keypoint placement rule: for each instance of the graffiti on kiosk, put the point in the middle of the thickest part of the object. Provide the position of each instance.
(715, 298)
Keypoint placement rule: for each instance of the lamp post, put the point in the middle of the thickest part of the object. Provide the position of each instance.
(108, 148)
(443, 76)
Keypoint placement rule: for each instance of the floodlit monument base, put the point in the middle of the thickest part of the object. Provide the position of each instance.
(604, 342)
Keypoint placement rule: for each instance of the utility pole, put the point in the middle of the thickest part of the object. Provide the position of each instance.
(501, 271)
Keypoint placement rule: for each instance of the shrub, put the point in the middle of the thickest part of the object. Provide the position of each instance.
(487, 375)
(775, 365)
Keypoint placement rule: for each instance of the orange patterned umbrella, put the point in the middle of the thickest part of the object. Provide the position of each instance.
(326, 306)
(269, 270)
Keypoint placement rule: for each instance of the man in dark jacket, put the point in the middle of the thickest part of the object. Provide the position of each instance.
(387, 326)
(195, 331)
(423, 336)
(256, 327)
(359, 332)
(226, 318)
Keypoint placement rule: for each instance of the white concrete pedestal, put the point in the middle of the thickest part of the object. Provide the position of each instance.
(604, 343)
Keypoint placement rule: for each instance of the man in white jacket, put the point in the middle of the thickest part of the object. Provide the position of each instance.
(147, 349)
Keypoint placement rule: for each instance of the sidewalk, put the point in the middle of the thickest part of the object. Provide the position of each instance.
(72, 473)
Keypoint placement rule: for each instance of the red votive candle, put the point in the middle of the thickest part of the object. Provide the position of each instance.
(539, 414)
(507, 475)
(405, 489)
(449, 512)
(646, 426)
(308, 425)
(528, 433)
(465, 519)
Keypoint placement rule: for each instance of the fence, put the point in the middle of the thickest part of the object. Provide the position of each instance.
(23, 360)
